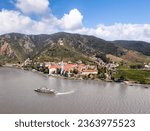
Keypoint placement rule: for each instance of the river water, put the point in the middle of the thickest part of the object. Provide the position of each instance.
(17, 95)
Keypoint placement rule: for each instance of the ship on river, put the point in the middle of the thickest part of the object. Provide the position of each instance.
(45, 90)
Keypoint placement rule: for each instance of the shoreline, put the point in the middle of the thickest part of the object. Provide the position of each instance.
(71, 78)
(129, 83)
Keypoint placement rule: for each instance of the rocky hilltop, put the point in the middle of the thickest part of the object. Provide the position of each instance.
(15, 47)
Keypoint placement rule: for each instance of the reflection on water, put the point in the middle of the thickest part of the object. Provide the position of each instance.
(17, 95)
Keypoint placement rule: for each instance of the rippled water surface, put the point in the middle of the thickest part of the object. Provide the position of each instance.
(17, 95)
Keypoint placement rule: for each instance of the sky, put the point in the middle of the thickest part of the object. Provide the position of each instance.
(106, 19)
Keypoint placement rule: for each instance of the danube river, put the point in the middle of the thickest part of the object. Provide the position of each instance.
(17, 95)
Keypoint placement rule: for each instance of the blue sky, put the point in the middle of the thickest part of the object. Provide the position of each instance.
(99, 11)
(106, 11)
(129, 18)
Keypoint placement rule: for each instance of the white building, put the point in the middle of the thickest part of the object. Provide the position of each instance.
(87, 72)
(52, 69)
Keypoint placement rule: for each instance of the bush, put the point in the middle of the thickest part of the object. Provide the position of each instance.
(75, 71)
(136, 66)
(46, 70)
(101, 76)
(85, 77)
(103, 57)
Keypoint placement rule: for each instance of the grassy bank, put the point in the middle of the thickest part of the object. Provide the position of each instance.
(139, 76)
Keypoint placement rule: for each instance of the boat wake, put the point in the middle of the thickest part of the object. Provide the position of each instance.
(65, 93)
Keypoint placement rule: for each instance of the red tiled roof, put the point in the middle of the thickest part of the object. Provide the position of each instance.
(81, 65)
(68, 66)
(54, 66)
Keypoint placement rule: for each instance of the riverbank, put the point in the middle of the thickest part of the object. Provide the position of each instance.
(73, 78)
(133, 83)
(129, 82)
(133, 75)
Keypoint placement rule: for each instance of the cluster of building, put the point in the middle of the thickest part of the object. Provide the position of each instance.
(76, 70)
(109, 66)
(69, 68)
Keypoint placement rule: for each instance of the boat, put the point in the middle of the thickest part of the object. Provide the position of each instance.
(45, 90)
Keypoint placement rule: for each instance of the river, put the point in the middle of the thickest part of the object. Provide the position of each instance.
(17, 95)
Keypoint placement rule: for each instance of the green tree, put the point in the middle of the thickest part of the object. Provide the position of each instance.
(46, 70)
(75, 71)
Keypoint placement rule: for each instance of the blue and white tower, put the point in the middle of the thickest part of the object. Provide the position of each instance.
(62, 68)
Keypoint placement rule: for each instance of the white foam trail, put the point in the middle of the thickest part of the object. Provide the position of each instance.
(65, 93)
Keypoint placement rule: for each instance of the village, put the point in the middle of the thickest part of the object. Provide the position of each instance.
(70, 70)
(79, 70)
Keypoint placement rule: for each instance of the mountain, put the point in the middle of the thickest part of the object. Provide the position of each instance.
(15, 47)
(139, 46)
(18, 47)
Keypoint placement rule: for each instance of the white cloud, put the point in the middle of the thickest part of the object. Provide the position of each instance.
(119, 31)
(45, 26)
(14, 21)
(72, 21)
(33, 6)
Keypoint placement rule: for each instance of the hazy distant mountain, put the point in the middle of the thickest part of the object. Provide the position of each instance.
(15, 47)
(139, 46)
